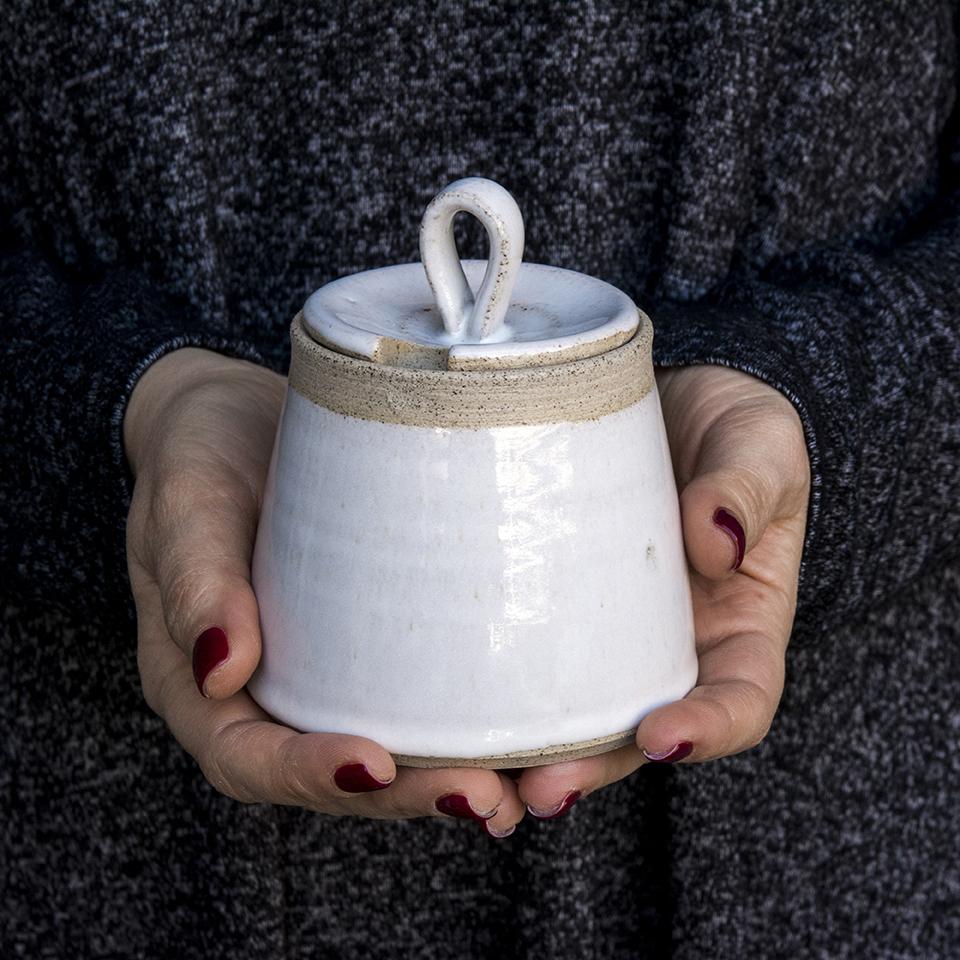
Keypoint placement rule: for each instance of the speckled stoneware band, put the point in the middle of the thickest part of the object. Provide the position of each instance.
(527, 758)
(581, 390)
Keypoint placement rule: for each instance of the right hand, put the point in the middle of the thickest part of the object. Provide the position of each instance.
(198, 432)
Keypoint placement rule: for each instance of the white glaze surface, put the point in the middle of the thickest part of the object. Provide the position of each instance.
(454, 592)
(553, 311)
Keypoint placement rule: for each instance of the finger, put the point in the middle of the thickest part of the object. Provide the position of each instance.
(246, 756)
(750, 470)
(201, 560)
(550, 791)
(255, 760)
(730, 709)
(483, 797)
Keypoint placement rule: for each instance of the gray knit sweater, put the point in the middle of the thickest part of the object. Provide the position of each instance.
(776, 183)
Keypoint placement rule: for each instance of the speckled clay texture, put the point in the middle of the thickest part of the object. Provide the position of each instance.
(581, 390)
(560, 753)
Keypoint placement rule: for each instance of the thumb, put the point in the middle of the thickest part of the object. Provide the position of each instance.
(202, 567)
(749, 472)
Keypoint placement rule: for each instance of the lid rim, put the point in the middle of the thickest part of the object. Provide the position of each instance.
(387, 315)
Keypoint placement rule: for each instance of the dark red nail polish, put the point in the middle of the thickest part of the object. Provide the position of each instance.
(730, 525)
(498, 834)
(565, 804)
(683, 749)
(356, 778)
(457, 805)
(210, 650)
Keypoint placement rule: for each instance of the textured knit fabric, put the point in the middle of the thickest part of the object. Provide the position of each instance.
(777, 184)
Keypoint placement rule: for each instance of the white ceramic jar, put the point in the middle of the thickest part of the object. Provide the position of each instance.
(470, 547)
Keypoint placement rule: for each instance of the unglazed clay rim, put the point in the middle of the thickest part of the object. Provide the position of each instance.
(526, 758)
(585, 389)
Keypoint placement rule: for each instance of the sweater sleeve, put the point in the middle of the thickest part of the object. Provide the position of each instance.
(865, 342)
(73, 354)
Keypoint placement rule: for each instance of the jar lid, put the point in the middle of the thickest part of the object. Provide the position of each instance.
(471, 315)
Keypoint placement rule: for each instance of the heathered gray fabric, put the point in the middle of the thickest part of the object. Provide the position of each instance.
(777, 184)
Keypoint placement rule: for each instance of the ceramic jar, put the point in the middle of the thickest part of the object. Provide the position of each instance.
(470, 547)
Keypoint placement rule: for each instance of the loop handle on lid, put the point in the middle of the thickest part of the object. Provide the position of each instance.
(467, 319)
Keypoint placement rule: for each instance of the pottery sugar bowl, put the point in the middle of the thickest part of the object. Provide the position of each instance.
(470, 547)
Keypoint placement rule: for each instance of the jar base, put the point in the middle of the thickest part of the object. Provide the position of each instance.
(559, 753)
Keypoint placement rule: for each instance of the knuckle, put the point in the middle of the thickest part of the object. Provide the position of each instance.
(399, 802)
(391, 804)
(759, 490)
(760, 708)
(217, 762)
(289, 778)
(739, 720)
(215, 776)
(186, 587)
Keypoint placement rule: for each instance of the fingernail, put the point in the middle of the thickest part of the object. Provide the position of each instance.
(498, 834)
(210, 650)
(677, 752)
(565, 804)
(730, 525)
(356, 778)
(457, 805)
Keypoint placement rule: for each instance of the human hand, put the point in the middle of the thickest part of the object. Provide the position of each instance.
(198, 432)
(744, 479)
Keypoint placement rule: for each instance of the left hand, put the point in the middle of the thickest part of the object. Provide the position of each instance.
(198, 432)
(740, 461)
